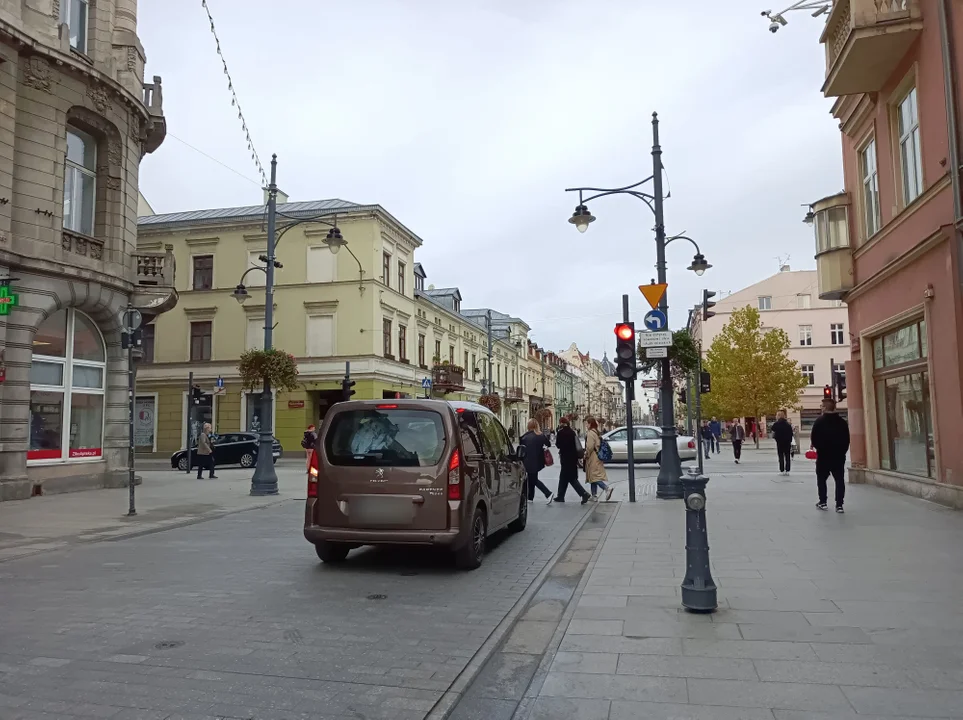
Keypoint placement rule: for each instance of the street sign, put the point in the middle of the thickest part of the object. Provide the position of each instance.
(655, 320)
(131, 319)
(426, 383)
(650, 384)
(656, 352)
(220, 382)
(655, 339)
(8, 300)
(653, 293)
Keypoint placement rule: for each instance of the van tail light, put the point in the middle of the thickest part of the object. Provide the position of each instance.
(313, 475)
(691, 444)
(454, 476)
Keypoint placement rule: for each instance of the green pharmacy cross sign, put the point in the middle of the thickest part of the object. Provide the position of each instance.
(7, 300)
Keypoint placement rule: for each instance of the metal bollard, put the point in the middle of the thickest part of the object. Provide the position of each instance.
(698, 587)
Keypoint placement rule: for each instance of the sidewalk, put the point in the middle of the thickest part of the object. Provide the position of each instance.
(166, 498)
(820, 615)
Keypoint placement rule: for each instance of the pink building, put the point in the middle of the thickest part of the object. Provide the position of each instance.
(890, 245)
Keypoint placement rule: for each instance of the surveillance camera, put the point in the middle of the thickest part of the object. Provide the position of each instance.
(774, 27)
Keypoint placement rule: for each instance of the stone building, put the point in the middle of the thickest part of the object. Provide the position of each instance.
(76, 118)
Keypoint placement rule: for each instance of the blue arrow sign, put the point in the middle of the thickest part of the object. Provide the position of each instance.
(655, 320)
(220, 381)
(426, 383)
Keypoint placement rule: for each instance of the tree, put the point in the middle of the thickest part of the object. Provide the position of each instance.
(752, 374)
(683, 356)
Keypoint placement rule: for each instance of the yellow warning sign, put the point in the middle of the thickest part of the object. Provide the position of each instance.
(653, 293)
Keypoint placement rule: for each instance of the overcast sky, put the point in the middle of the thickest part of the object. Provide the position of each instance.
(467, 120)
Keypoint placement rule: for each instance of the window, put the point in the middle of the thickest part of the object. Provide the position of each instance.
(839, 369)
(147, 346)
(457, 304)
(73, 14)
(67, 380)
(451, 354)
(320, 336)
(474, 364)
(80, 181)
(322, 267)
(419, 282)
(809, 372)
(437, 356)
(870, 177)
(765, 302)
(386, 269)
(258, 277)
(255, 333)
(421, 350)
(806, 335)
(401, 277)
(837, 334)
(911, 163)
(386, 337)
(466, 360)
(201, 333)
(804, 301)
(402, 342)
(203, 272)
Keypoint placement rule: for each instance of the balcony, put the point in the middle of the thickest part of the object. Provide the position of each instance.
(834, 257)
(154, 102)
(154, 291)
(448, 378)
(865, 41)
(514, 394)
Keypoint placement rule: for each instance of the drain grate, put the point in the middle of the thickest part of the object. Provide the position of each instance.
(377, 596)
(169, 644)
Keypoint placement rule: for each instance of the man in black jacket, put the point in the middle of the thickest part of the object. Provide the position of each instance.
(830, 438)
(567, 443)
(782, 434)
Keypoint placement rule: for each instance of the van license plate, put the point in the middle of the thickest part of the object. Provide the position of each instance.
(378, 511)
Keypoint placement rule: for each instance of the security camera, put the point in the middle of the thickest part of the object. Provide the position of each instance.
(774, 27)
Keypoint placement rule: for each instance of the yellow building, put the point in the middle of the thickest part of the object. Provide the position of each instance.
(367, 305)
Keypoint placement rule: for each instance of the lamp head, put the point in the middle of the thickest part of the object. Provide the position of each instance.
(335, 240)
(581, 218)
(241, 294)
(699, 264)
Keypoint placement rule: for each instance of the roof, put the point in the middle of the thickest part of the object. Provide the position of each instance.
(419, 270)
(442, 292)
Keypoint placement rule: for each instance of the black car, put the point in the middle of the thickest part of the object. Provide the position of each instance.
(229, 449)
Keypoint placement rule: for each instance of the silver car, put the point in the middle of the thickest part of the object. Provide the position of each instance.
(648, 444)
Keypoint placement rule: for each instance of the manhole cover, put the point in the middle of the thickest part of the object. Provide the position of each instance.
(377, 597)
(168, 644)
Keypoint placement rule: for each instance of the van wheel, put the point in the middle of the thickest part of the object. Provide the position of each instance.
(469, 556)
(658, 459)
(332, 553)
(247, 460)
(519, 523)
(182, 464)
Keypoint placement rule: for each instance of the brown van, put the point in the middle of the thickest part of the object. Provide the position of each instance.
(413, 472)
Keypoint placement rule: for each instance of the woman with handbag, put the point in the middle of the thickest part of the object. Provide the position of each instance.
(570, 451)
(537, 456)
(594, 467)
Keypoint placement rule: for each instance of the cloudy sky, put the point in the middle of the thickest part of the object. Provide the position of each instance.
(467, 119)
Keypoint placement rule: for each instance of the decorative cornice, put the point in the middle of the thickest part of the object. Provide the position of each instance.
(201, 311)
(321, 305)
(257, 309)
(192, 241)
(858, 114)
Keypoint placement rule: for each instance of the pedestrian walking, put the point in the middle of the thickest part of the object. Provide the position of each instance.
(716, 428)
(569, 453)
(738, 435)
(308, 442)
(783, 435)
(205, 453)
(594, 467)
(830, 440)
(536, 445)
(706, 439)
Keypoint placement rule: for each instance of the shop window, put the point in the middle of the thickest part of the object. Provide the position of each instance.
(67, 381)
(80, 182)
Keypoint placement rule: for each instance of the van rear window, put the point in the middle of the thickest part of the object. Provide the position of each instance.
(385, 438)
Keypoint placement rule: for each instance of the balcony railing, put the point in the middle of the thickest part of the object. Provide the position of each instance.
(155, 268)
(157, 125)
(865, 41)
(448, 378)
(514, 394)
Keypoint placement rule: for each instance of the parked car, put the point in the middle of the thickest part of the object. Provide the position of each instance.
(648, 444)
(413, 472)
(229, 449)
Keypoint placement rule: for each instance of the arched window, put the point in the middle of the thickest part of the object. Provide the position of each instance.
(67, 381)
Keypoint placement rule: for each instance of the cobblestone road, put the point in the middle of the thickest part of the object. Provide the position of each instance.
(236, 618)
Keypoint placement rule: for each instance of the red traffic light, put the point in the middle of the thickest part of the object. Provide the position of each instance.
(827, 393)
(624, 331)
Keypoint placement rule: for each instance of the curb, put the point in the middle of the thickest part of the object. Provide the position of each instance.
(447, 702)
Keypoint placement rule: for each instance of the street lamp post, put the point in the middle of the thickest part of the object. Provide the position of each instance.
(670, 469)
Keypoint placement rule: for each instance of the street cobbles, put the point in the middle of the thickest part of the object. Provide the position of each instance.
(236, 618)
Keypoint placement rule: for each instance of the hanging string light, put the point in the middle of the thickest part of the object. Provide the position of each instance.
(234, 101)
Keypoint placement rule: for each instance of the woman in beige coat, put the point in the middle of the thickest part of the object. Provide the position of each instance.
(594, 469)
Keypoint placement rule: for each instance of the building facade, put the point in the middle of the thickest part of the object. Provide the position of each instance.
(890, 244)
(817, 329)
(76, 118)
(593, 395)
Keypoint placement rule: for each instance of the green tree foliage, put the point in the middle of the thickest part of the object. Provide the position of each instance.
(683, 357)
(752, 374)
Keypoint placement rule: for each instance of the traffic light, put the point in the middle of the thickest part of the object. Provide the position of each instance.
(840, 382)
(625, 352)
(346, 391)
(706, 304)
(196, 394)
(827, 393)
(705, 383)
(682, 397)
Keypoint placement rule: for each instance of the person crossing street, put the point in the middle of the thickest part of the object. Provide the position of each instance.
(830, 440)
(716, 428)
(569, 449)
(782, 434)
(738, 434)
(535, 446)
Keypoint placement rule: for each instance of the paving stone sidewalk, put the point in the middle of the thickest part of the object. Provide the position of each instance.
(821, 615)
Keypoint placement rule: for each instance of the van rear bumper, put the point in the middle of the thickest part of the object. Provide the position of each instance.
(354, 536)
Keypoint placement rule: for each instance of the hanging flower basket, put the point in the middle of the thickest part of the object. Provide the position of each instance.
(279, 367)
(492, 402)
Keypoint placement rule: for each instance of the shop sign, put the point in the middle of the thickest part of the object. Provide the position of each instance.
(295, 404)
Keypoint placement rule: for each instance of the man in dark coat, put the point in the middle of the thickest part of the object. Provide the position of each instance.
(782, 434)
(568, 445)
(535, 445)
(830, 439)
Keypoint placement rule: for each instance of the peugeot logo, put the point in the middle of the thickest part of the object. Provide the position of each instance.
(379, 476)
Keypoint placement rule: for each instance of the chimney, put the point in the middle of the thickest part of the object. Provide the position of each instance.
(783, 268)
(281, 199)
